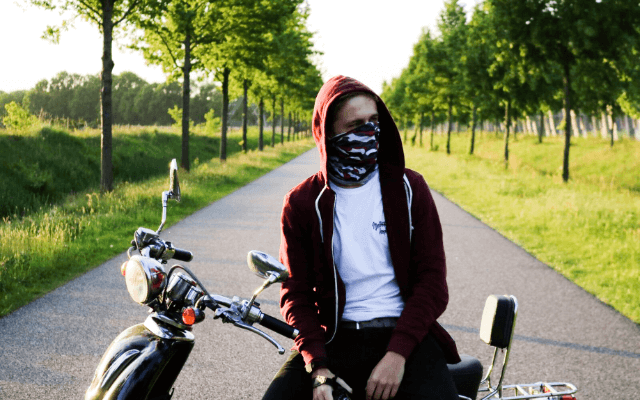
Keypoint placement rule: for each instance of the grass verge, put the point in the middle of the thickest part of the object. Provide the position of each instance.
(47, 248)
(587, 229)
(43, 165)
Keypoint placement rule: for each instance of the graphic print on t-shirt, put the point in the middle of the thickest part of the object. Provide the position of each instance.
(381, 227)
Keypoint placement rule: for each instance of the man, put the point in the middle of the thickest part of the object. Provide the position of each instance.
(363, 244)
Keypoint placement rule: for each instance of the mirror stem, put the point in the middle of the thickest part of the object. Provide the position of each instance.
(267, 282)
(165, 197)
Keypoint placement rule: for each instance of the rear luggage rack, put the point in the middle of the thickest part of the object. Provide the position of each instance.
(539, 390)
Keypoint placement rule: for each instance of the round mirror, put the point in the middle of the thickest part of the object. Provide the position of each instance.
(173, 181)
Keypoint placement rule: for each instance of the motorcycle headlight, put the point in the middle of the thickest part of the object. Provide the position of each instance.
(145, 279)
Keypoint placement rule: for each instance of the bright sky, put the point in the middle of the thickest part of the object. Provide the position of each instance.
(370, 40)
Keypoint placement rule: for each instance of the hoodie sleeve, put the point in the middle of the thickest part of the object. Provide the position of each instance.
(297, 295)
(428, 295)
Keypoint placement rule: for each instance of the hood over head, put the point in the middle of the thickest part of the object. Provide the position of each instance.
(390, 153)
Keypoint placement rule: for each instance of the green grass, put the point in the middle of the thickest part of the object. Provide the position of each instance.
(42, 166)
(587, 229)
(47, 247)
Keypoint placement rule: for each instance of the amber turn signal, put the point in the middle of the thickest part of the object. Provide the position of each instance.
(192, 316)
(189, 316)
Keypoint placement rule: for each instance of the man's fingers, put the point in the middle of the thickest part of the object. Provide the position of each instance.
(371, 388)
(390, 392)
(381, 391)
(375, 390)
(394, 392)
(323, 392)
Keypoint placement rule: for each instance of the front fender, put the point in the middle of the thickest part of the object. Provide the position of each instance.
(140, 364)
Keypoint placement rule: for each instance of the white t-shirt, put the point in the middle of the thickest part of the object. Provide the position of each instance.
(361, 253)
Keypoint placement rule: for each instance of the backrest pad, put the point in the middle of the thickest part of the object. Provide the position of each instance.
(498, 321)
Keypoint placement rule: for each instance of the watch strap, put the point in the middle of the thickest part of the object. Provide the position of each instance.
(323, 380)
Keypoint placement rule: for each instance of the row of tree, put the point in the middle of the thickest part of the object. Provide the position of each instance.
(523, 60)
(260, 46)
(136, 102)
(76, 98)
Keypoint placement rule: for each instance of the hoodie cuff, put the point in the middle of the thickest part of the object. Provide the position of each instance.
(316, 364)
(402, 344)
(314, 356)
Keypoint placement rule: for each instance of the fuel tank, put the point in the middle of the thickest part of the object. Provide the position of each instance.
(142, 363)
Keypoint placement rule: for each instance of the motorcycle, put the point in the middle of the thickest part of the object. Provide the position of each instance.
(144, 361)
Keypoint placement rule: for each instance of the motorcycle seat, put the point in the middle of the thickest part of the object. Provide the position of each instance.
(467, 375)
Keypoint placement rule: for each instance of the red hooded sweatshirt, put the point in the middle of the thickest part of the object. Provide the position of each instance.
(313, 298)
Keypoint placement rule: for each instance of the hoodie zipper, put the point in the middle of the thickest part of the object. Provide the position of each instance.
(335, 274)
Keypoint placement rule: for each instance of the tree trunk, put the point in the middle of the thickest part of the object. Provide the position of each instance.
(611, 122)
(289, 129)
(603, 126)
(574, 124)
(541, 127)
(225, 113)
(415, 134)
(421, 126)
(552, 124)
(406, 127)
(273, 122)
(106, 78)
(186, 96)
(473, 128)
(582, 126)
(449, 125)
(282, 120)
(261, 124)
(296, 124)
(567, 125)
(626, 125)
(433, 121)
(507, 122)
(245, 113)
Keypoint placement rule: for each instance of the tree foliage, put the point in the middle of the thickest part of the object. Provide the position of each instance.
(521, 59)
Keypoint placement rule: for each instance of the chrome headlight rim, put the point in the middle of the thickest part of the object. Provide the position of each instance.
(145, 279)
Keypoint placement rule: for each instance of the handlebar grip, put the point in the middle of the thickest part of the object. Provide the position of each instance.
(183, 255)
(278, 326)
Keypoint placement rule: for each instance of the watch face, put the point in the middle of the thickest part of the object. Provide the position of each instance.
(319, 381)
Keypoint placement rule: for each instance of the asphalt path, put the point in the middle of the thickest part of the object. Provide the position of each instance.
(49, 349)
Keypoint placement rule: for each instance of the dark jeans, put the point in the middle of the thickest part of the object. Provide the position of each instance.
(354, 353)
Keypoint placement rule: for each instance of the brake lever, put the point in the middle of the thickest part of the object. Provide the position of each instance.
(229, 315)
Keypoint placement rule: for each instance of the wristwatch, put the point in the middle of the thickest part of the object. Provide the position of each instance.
(320, 380)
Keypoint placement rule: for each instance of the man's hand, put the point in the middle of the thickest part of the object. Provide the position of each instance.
(325, 392)
(385, 378)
